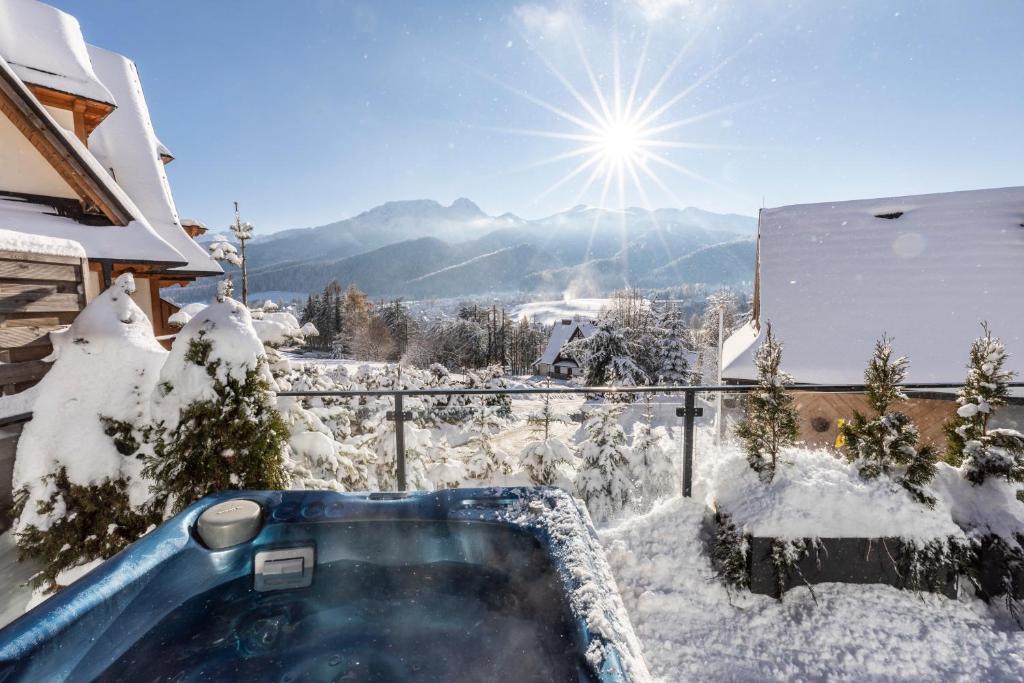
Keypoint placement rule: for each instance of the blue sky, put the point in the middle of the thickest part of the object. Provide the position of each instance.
(310, 111)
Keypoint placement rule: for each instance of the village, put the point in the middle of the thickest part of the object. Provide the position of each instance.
(814, 475)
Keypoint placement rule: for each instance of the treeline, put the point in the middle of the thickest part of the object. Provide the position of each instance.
(351, 326)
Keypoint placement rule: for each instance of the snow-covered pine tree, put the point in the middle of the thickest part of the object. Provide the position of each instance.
(543, 457)
(770, 421)
(651, 466)
(887, 442)
(80, 495)
(216, 426)
(484, 461)
(603, 481)
(675, 358)
(980, 451)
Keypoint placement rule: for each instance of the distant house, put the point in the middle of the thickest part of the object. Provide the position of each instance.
(80, 161)
(833, 277)
(554, 362)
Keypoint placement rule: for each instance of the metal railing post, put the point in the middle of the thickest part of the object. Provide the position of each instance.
(400, 441)
(689, 412)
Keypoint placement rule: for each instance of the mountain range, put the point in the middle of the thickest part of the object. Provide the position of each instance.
(422, 249)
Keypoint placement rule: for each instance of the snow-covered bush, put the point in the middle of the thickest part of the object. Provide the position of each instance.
(278, 328)
(984, 452)
(603, 481)
(651, 467)
(483, 461)
(215, 424)
(80, 495)
(770, 421)
(545, 457)
(887, 442)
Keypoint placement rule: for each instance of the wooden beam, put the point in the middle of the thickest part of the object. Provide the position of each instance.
(93, 111)
(28, 115)
(29, 270)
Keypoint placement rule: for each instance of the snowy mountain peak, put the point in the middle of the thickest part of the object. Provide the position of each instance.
(463, 204)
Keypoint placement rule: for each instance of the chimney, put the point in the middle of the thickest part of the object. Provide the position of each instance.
(566, 321)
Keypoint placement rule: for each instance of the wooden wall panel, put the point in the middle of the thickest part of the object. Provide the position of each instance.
(38, 294)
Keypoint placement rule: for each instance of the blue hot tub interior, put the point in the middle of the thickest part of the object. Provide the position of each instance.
(425, 588)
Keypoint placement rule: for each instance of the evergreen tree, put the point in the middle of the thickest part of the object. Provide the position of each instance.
(983, 452)
(484, 461)
(887, 443)
(607, 358)
(770, 423)
(674, 358)
(216, 425)
(79, 493)
(543, 457)
(603, 481)
(651, 466)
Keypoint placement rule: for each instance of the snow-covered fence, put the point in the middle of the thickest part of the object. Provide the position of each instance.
(688, 412)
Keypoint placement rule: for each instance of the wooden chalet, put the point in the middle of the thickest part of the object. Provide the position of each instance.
(927, 270)
(80, 163)
(554, 362)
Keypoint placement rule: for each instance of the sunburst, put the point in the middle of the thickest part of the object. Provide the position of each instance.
(622, 138)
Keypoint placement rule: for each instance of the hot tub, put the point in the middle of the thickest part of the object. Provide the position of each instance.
(458, 585)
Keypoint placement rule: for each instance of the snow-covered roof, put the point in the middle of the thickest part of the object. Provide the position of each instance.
(127, 143)
(136, 241)
(44, 46)
(834, 277)
(561, 333)
(11, 240)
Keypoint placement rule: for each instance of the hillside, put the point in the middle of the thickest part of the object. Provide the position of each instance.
(422, 249)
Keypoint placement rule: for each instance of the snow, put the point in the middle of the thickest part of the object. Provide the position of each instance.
(11, 240)
(110, 344)
(988, 508)
(126, 142)
(693, 628)
(548, 312)
(45, 47)
(181, 317)
(227, 326)
(833, 278)
(815, 494)
(560, 335)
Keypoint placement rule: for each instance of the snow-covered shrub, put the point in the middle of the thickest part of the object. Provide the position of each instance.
(603, 481)
(729, 553)
(80, 494)
(215, 424)
(545, 457)
(651, 466)
(279, 328)
(379, 436)
(887, 442)
(447, 473)
(984, 452)
(484, 462)
(770, 421)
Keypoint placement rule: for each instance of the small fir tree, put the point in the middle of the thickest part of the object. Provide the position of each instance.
(543, 457)
(651, 466)
(603, 481)
(980, 451)
(887, 442)
(607, 357)
(676, 361)
(216, 424)
(770, 423)
(484, 461)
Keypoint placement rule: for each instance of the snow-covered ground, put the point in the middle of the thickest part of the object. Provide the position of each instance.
(547, 312)
(693, 628)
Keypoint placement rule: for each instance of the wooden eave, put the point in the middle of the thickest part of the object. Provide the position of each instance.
(88, 113)
(27, 114)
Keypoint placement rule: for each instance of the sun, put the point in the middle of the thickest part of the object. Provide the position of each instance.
(621, 133)
(621, 142)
